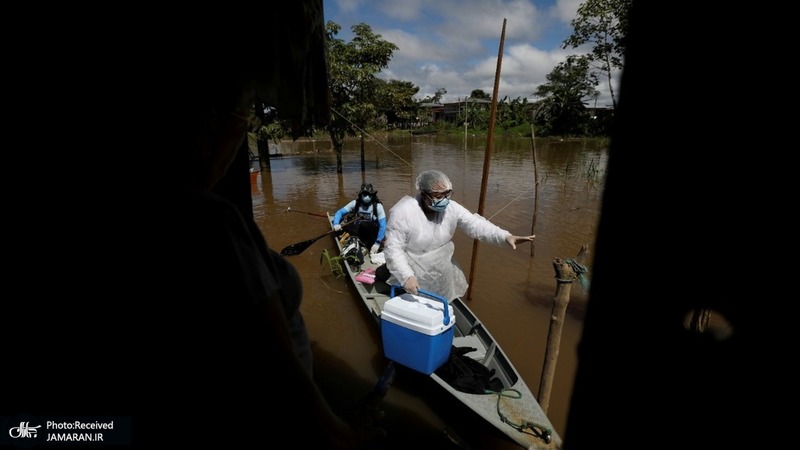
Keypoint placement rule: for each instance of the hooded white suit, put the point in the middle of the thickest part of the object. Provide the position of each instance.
(424, 248)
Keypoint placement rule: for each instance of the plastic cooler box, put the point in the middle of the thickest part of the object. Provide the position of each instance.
(417, 332)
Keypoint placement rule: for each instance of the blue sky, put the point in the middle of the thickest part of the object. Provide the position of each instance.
(454, 44)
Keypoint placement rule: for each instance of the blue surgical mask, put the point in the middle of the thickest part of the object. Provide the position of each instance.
(440, 205)
(366, 198)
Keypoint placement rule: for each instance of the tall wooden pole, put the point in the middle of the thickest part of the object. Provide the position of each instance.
(536, 188)
(535, 204)
(488, 154)
(466, 121)
(565, 275)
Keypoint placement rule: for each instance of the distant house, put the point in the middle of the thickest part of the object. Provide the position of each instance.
(430, 113)
(453, 110)
(601, 113)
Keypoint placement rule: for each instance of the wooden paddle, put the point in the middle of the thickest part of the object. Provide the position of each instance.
(305, 212)
(300, 247)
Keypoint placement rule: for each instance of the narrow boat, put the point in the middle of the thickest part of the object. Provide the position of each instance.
(512, 408)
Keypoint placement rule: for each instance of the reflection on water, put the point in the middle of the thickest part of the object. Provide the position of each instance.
(511, 290)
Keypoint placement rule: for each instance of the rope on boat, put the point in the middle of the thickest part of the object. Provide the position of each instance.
(537, 430)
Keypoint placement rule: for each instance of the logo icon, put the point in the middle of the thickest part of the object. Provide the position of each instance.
(24, 430)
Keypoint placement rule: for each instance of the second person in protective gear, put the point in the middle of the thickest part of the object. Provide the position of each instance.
(369, 215)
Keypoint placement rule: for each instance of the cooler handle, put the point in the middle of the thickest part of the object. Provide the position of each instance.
(446, 318)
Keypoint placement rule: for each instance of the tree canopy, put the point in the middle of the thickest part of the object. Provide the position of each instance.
(352, 69)
(603, 24)
(567, 85)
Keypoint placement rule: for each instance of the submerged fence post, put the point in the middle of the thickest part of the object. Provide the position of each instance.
(565, 275)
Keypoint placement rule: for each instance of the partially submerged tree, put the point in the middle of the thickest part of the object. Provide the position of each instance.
(352, 70)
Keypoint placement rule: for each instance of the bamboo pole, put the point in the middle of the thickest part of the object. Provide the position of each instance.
(535, 206)
(487, 155)
(466, 121)
(536, 189)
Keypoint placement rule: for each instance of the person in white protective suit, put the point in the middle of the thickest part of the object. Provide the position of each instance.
(419, 247)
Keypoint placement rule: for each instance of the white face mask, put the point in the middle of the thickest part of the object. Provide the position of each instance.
(439, 205)
(366, 199)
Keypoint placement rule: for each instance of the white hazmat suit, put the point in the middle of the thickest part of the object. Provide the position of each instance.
(417, 246)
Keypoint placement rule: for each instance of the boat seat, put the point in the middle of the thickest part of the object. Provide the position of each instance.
(471, 341)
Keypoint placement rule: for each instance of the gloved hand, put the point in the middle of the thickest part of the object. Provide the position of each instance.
(411, 286)
(337, 228)
(374, 248)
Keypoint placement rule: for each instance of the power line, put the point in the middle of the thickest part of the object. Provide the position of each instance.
(371, 137)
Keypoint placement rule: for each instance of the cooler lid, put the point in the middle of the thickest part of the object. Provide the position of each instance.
(426, 312)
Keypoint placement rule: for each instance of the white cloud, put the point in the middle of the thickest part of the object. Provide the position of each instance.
(454, 43)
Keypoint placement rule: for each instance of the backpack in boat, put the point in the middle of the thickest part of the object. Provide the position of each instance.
(467, 375)
(353, 251)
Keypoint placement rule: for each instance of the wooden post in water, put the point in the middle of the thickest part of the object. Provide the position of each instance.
(536, 188)
(487, 155)
(565, 275)
(466, 121)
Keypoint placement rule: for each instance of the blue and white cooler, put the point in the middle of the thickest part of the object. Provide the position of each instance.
(417, 332)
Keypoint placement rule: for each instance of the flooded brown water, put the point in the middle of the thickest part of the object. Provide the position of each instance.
(511, 291)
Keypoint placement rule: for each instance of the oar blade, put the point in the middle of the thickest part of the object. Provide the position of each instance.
(296, 249)
(300, 247)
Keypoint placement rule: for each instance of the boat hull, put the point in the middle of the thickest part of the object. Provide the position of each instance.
(513, 410)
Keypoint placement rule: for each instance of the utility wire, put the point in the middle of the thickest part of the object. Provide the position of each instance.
(509, 203)
(409, 164)
(371, 137)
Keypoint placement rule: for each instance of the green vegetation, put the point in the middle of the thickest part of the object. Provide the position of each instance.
(361, 102)
(334, 263)
(357, 95)
(595, 177)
